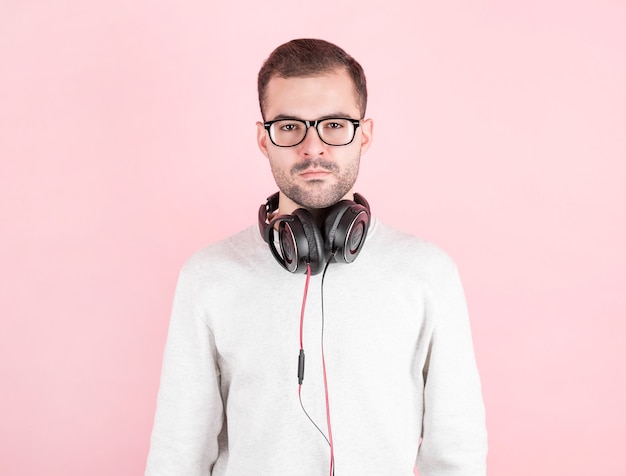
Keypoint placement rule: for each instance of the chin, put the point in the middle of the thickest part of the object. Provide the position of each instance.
(320, 202)
(317, 194)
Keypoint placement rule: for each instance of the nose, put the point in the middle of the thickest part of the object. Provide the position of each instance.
(312, 145)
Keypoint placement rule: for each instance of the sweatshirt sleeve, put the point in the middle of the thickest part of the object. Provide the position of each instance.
(189, 412)
(454, 436)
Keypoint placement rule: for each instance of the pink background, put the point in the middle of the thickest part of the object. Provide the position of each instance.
(127, 141)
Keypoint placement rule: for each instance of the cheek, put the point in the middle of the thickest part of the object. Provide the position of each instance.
(283, 156)
(280, 161)
(350, 155)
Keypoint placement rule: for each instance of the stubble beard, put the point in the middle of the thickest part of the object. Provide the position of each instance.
(316, 194)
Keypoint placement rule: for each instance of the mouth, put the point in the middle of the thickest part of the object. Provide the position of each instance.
(315, 174)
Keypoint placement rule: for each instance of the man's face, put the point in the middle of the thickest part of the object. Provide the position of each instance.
(313, 174)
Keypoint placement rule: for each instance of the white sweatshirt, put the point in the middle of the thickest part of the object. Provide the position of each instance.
(402, 379)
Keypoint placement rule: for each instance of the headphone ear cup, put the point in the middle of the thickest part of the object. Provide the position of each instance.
(331, 223)
(315, 242)
(345, 229)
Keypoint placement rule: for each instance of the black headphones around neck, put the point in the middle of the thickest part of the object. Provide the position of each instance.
(302, 242)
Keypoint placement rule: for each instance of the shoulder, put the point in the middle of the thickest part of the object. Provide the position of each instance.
(404, 261)
(229, 256)
(405, 251)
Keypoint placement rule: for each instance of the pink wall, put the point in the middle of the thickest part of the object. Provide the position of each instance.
(127, 141)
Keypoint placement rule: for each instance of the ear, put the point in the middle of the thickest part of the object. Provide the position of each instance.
(262, 138)
(367, 129)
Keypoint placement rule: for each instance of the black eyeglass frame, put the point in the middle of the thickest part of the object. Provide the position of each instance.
(307, 124)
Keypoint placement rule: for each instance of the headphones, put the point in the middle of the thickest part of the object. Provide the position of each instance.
(302, 243)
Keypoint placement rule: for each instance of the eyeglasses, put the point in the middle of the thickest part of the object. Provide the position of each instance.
(333, 131)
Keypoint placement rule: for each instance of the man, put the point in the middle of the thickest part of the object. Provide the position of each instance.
(391, 380)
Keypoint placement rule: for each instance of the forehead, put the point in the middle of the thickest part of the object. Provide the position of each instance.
(312, 97)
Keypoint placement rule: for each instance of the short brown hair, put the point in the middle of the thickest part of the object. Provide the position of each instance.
(310, 57)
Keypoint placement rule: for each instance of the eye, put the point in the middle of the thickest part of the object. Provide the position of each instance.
(289, 126)
(335, 124)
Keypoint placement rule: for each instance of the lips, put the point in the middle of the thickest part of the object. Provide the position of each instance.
(315, 173)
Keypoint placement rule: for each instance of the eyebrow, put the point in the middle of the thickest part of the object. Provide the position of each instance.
(335, 115)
